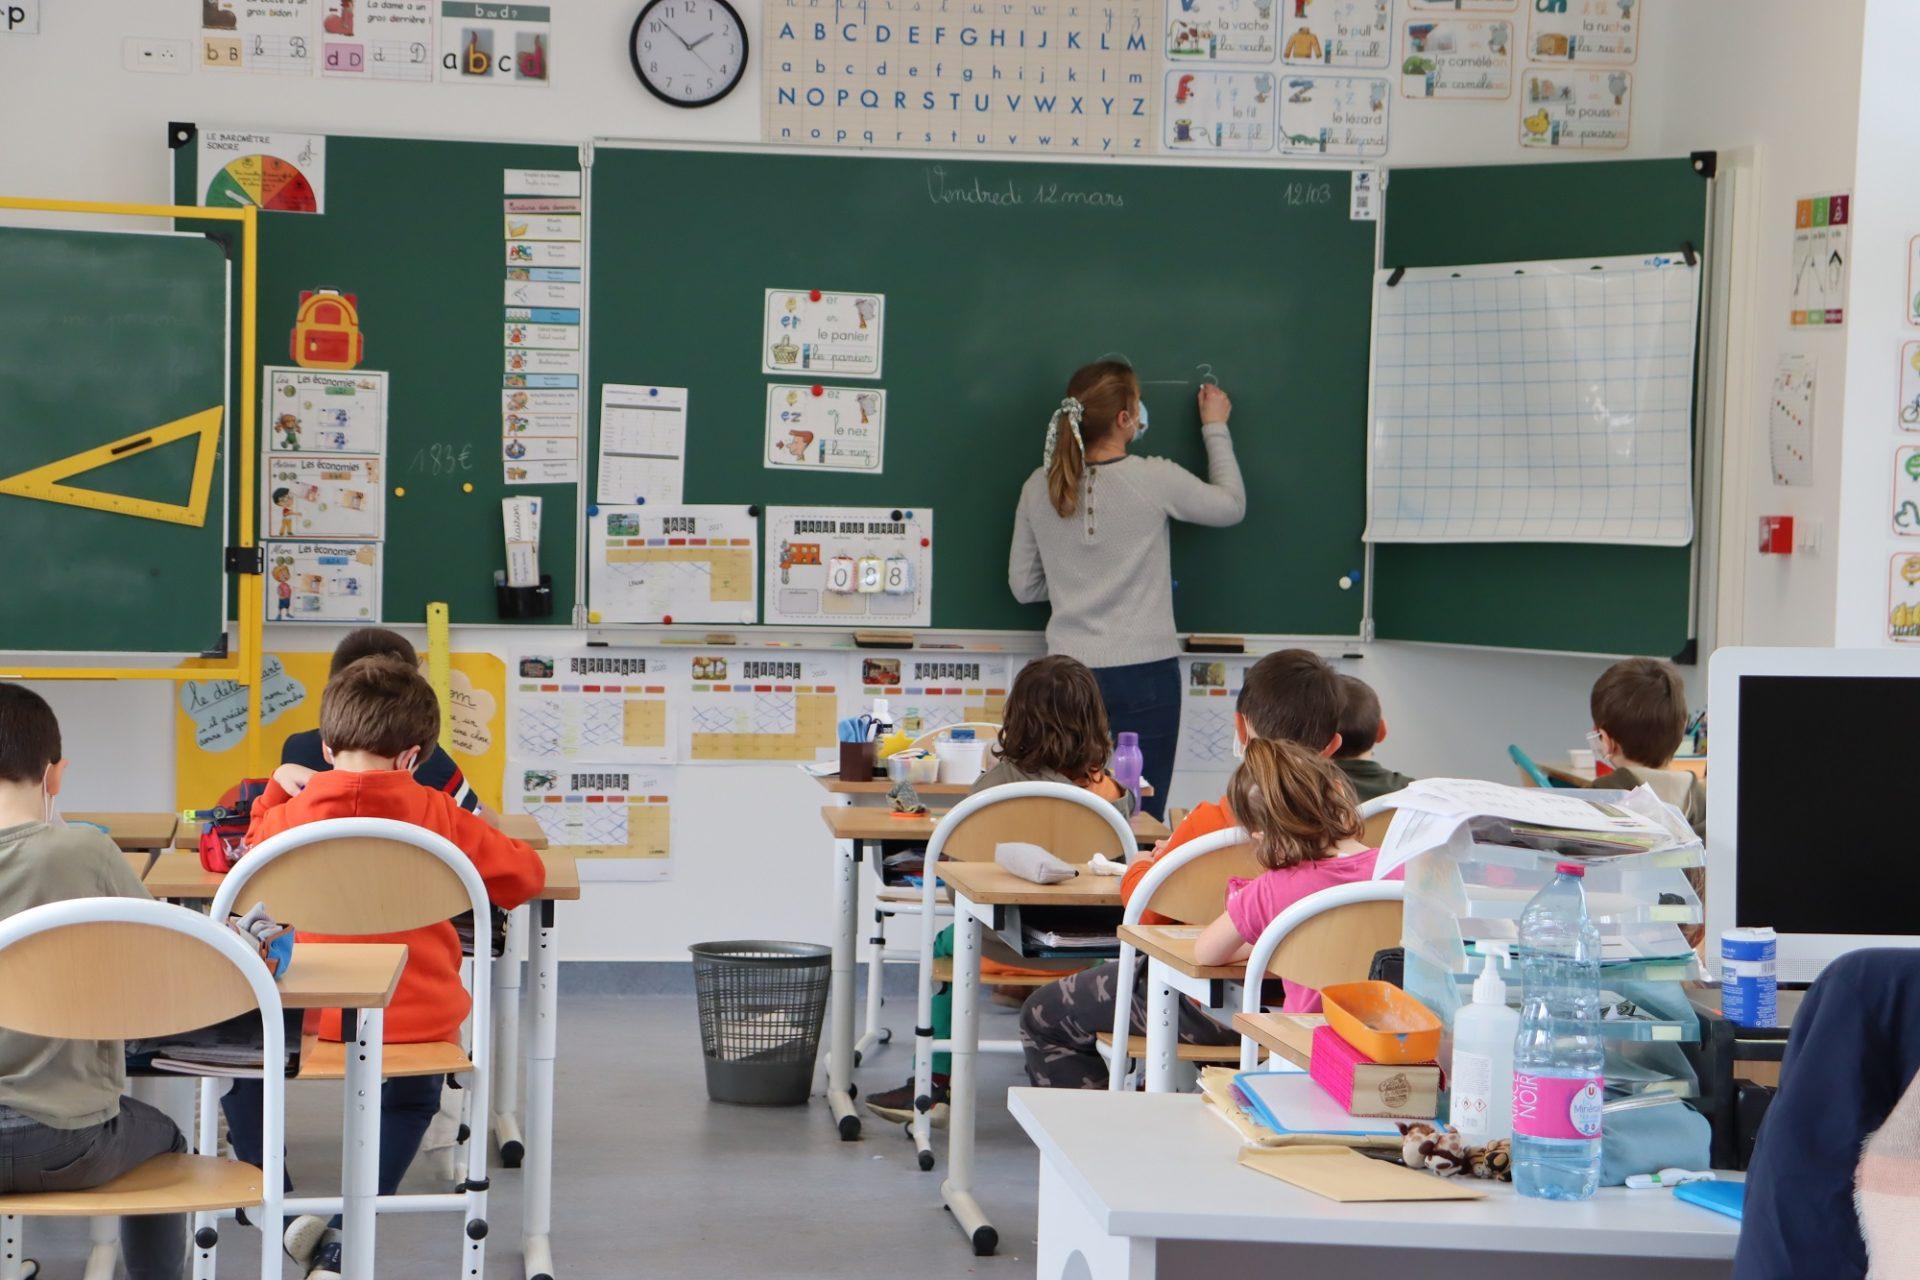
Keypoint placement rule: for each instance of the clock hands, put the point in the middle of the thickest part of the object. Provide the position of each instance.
(702, 40)
(677, 36)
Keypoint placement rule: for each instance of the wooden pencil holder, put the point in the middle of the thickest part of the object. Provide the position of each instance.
(856, 762)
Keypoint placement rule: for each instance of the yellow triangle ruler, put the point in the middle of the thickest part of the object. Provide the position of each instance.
(44, 484)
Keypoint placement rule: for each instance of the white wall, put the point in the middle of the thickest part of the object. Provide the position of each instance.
(1713, 73)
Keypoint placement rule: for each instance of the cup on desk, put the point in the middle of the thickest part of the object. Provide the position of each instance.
(1581, 759)
(856, 762)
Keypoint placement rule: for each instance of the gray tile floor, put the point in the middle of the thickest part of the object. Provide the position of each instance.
(652, 1179)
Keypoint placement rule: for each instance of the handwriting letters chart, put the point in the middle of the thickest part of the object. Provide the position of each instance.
(377, 39)
(821, 332)
(927, 692)
(1336, 116)
(543, 299)
(1456, 57)
(1221, 31)
(1336, 33)
(849, 566)
(1219, 111)
(1064, 77)
(752, 706)
(496, 43)
(811, 427)
(1574, 108)
(673, 564)
(274, 36)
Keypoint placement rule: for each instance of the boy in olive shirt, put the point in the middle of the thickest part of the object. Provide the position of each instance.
(64, 1125)
(1362, 728)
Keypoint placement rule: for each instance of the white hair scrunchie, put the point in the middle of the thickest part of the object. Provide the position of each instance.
(1074, 411)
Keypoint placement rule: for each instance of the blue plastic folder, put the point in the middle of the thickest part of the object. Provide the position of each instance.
(1291, 1102)
(1722, 1197)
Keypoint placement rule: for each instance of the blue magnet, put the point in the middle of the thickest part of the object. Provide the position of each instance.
(593, 509)
(640, 502)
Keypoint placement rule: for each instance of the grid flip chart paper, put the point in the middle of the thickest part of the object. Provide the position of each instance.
(1534, 402)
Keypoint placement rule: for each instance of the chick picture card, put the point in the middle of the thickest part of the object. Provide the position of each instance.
(1565, 107)
(323, 581)
(331, 497)
(322, 411)
(817, 331)
(819, 428)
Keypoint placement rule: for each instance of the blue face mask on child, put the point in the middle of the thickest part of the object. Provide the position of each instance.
(1141, 430)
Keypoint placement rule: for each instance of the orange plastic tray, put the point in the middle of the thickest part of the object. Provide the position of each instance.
(1382, 1021)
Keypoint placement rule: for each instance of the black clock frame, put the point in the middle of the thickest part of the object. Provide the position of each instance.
(633, 57)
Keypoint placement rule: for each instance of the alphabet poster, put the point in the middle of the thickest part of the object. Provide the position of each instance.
(309, 497)
(323, 582)
(1456, 58)
(813, 427)
(1221, 31)
(849, 566)
(819, 331)
(1336, 33)
(1564, 107)
(1220, 111)
(1606, 32)
(1333, 115)
(322, 411)
(495, 43)
(382, 40)
(1822, 246)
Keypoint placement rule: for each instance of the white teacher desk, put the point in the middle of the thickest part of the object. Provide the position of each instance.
(1146, 1187)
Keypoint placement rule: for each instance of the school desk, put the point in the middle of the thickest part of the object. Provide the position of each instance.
(986, 896)
(135, 833)
(1171, 973)
(1134, 1186)
(520, 826)
(855, 831)
(877, 789)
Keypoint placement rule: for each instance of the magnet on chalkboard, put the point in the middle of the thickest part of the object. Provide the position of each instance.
(754, 510)
(593, 509)
(639, 502)
(896, 514)
(819, 390)
(813, 295)
(653, 391)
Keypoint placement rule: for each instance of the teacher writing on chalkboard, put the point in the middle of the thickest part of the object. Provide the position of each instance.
(1090, 537)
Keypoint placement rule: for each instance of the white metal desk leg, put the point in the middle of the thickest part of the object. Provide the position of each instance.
(846, 924)
(506, 1042)
(363, 1031)
(13, 1262)
(1163, 1029)
(103, 1260)
(872, 1033)
(536, 1231)
(957, 1191)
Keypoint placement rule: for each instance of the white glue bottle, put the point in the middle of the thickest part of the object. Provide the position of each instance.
(1482, 1077)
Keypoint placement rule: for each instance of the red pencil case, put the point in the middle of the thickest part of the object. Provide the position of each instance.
(1364, 1087)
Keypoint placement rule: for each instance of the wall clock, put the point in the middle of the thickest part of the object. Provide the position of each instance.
(688, 53)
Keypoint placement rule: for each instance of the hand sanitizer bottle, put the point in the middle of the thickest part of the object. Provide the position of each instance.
(1481, 1081)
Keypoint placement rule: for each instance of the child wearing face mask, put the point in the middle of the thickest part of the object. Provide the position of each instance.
(64, 1125)
(378, 720)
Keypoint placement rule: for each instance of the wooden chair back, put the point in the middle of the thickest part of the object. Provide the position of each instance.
(163, 982)
(1373, 830)
(1070, 832)
(354, 885)
(1337, 945)
(1196, 892)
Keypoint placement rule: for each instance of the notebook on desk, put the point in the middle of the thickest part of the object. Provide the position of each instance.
(1290, 1102)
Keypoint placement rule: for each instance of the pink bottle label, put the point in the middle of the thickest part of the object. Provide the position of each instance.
(1557, 1106)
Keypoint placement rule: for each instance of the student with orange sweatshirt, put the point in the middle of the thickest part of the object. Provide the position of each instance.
(378, 721)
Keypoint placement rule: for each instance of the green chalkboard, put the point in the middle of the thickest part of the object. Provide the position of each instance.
(1000, 279)
(415, 229)
(104, 335)
(1581, 598)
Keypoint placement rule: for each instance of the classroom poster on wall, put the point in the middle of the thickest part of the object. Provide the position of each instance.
(1602, 32)
(1064, 78)
(496, 43)
(1909, 379)
(666, 564)
(812, 427)
(1336, 33)
(1790, 420)
(818, 331)
(326, 497)
(272, 36)
(760, 706)
(926, 692)
(1210, 688)
(323, 582)
(1903, 598)
(1457, 6)
(1219, 111)
(573, 704)
(1564, 107)
(1822, 247)
(1343, 116)
(849, 566)
(323, 411)
(544, 253)
(643, 443)
(1221, 31)
(377, 39)
(1456, 58)
(615, 819)
(278, 172)
(1906, 491)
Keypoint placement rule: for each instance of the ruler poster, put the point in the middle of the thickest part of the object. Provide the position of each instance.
(1070, 78)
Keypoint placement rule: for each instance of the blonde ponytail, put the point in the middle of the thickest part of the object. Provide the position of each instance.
(1298, 805)
(1097, 395)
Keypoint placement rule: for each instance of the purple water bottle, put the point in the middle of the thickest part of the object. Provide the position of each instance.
(1128, 764)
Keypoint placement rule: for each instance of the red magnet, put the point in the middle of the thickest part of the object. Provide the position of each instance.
(819, 390)
(667, 618)
(813, 294)
(926, 542)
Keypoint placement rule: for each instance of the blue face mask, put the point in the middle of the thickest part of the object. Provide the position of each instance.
(1141, 430)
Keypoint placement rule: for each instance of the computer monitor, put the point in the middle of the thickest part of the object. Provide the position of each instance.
(1811, 800)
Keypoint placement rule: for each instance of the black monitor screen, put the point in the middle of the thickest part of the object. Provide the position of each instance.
(1826, 772)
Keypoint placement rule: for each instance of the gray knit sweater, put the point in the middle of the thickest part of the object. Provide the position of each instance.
(1105, 568)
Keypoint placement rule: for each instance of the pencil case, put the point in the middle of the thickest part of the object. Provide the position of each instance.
(1363, 1087)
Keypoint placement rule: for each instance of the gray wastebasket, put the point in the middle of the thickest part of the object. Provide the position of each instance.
(761, 1006)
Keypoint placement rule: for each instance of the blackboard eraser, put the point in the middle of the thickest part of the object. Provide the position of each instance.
(1215, 644)
(883, 639)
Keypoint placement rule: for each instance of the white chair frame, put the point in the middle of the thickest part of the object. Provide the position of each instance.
(1314, 904)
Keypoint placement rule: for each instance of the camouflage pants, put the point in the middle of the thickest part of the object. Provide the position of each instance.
(1059, 1021)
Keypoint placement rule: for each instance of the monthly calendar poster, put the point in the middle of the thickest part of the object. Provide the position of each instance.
(1333, 115)
(1456, 58)
(811, 427)
(1065, 78)
(849, 566)
(496, 43)
(760, 705)
(278, 172)
(325, 411)
(323, 581)
(1220, 111)
(274, 36)
(566, 705)
(1602, 32)
(1564, 107)
(1221, 31)
(1906, 491)
(1210, 688)
(1336, 33)
(325, 497)
(819, 331)
(1903, 598)
(616, 819)
(665, 564)
(377, 39)
(926, 691)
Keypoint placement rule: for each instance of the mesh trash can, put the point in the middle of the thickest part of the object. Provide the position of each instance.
(761, 1006)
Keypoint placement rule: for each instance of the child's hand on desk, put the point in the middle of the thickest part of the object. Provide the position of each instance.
(293, 778)
(1214, 405)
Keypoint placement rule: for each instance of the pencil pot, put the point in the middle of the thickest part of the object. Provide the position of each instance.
(761, 1005)
(856, 762)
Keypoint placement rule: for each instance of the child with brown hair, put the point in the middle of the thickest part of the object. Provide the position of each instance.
(1639, 708)
(1306, 830)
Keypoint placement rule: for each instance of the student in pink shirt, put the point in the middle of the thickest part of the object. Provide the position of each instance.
(1306, 831)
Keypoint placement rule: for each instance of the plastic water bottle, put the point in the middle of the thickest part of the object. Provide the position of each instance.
(1128, 763)
(1558, 1058)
